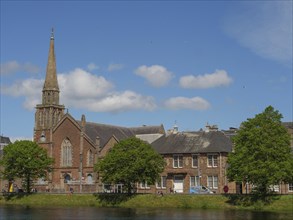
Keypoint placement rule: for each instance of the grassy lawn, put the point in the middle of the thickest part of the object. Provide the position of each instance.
(282, 203)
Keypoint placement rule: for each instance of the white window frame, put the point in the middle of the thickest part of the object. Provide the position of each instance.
(195, 155)
(290, 187)
(213, 158)
(179, 161)
(275, 188)
(162, 184)
(195, 180)
(144, 185)
(214, 181)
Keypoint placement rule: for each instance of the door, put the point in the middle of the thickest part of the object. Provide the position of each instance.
(178, 184)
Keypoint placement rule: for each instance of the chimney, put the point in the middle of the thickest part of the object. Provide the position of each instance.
(211, 128)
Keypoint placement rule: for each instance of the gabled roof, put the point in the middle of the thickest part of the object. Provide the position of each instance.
(193, 142)
(105, 132)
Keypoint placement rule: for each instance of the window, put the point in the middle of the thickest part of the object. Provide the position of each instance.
(67, 178)
(177, 161)
(90, 178)
(41, 181)
(90, 158)
(194, 181)
(212, 182)
(161, 183)
(66, 154)
(290, 187)
(144, 185)
(212, 160)
(275, 188)
(194, 161)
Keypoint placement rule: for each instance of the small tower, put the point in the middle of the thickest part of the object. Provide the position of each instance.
(50, 111)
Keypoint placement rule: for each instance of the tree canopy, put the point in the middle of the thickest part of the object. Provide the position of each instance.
(262, 155)
(129, 162)
(25, 160)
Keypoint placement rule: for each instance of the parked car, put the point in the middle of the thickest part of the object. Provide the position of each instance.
(200, 190)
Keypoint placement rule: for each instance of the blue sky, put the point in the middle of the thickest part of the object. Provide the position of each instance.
(131, 63)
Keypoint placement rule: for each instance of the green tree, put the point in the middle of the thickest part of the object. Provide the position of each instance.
(262, 155)
(25, 160)
(129, 162)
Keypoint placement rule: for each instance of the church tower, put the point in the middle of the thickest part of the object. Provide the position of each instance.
(50, 111)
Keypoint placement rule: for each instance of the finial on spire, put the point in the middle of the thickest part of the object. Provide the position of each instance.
(52, 34)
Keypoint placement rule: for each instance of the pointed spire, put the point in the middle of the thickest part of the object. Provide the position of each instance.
(51, 82)
(52, 34)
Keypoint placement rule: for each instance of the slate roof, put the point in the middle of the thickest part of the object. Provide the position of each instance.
(105, 132)
(148, 130)
(193, 142)
(4, 140)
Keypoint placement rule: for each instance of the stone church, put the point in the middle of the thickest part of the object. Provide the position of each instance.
(75, 144)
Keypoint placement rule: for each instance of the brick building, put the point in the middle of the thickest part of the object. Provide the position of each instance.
(192, 159)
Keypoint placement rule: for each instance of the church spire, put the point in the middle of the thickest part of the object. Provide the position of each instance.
(50, 112)
(51, 82)
(51, 88)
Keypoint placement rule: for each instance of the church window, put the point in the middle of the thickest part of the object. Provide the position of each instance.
(90, 158)
(90, 178)
(67, 178)
(66, 153)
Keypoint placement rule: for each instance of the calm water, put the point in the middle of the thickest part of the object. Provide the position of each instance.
(16, 212)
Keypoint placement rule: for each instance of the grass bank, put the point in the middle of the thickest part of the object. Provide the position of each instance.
(282, 203)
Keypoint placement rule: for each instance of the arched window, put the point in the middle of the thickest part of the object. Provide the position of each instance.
(67, 178)
(66, 153)
(90, 178)
(90, 158)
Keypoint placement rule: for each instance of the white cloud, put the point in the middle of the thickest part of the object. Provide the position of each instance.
(265, 28)
(14, 67)
(80, 84)
(118, 102)
(195, 103)
(30, 88)
(156, 75)
(92, 66)
(83, 90)
(216, 79)
(114, 66)
(9, 67)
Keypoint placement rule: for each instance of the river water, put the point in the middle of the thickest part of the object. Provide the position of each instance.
(90, 213)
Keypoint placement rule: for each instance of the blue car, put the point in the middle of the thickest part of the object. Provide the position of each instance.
(200, 190)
